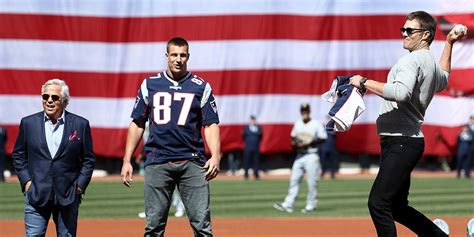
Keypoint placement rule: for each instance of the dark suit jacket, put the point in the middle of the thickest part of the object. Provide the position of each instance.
(252, 139)
(71, 167)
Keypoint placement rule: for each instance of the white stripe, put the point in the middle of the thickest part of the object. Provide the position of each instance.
(216, 55)
(143, 8)
(205, 95)
(444, 109)
(101, 112)
(144, 91)
(269, 109)
(284, 109)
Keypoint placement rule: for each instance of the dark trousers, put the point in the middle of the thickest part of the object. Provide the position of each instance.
(388, 199)
(233, 161)
(463, 162)
(2, 165)
(328, 163)
(254, 157)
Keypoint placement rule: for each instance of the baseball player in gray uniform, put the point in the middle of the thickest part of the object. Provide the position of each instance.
(306, 135)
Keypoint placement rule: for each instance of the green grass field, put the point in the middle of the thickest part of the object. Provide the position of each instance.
(347, 198)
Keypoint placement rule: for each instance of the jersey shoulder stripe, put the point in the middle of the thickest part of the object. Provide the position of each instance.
(158, 76)
(144, 91)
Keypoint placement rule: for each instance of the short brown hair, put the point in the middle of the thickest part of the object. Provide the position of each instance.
(427, 22)
(177, 41)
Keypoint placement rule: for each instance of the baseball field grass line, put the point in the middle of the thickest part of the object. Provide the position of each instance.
(239, 198)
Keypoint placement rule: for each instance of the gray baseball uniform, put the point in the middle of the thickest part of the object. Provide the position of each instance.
(307, 161)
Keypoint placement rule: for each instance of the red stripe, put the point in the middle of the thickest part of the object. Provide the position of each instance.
(465, 19)
(106, 142)
(88, 84)
(222, 27)
(363, 139)
(360, 139)
(276, 138)
(461, 82)
(446, 23)
(113, 85)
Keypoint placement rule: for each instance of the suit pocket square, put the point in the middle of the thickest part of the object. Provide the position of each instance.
(73, 136)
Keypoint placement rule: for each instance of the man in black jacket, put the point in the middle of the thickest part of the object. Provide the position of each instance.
(252, 135)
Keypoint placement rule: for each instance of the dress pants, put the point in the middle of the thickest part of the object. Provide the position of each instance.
(251, 156)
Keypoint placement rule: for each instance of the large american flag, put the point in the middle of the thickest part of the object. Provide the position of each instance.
(262, 58)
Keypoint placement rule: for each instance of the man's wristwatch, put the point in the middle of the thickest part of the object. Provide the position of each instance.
(362, 82)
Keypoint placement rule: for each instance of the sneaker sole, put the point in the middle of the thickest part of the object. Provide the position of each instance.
(281, 208)
(443, 225)
(470, 228)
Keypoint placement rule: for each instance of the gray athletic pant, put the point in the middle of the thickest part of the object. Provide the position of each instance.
(160, 181)
(309, 164)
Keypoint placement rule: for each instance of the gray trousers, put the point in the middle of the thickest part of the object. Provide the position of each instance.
(160, 181)
(309, 164)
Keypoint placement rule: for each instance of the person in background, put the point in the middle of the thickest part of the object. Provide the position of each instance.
(176, 202)
(364, 163)
(464, 152)
(252, 136)
(328, 155)
(306, 135)
(140, 158)
(233, 162)
(471, 129)
(3, 142)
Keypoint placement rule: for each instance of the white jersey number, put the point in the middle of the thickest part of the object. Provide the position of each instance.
(162, 108)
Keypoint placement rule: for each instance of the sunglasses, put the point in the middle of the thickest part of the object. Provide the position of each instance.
(410, 31)
(54, 97)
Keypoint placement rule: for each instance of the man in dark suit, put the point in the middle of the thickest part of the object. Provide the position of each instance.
(54, 160)
(3, 141)
(252, 135)
(463, 156)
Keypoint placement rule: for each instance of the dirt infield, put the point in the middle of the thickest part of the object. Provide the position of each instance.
(237, 227)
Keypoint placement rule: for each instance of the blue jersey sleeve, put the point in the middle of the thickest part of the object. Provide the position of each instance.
(140, 108)
(209, 107)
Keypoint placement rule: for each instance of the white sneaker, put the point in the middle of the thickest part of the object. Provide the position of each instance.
(179, 213)
(282, 208)
(308, 210)
(142, 215)
(442, 224)
(470, 228)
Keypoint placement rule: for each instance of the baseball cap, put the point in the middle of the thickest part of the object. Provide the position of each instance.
(304, 107)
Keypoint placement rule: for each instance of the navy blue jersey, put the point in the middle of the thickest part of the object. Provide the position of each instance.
(176, 110)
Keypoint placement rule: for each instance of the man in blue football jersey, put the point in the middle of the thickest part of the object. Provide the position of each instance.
(177, 104)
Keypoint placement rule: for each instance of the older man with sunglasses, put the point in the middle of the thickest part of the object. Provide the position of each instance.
(409, 89)
(53, 159)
